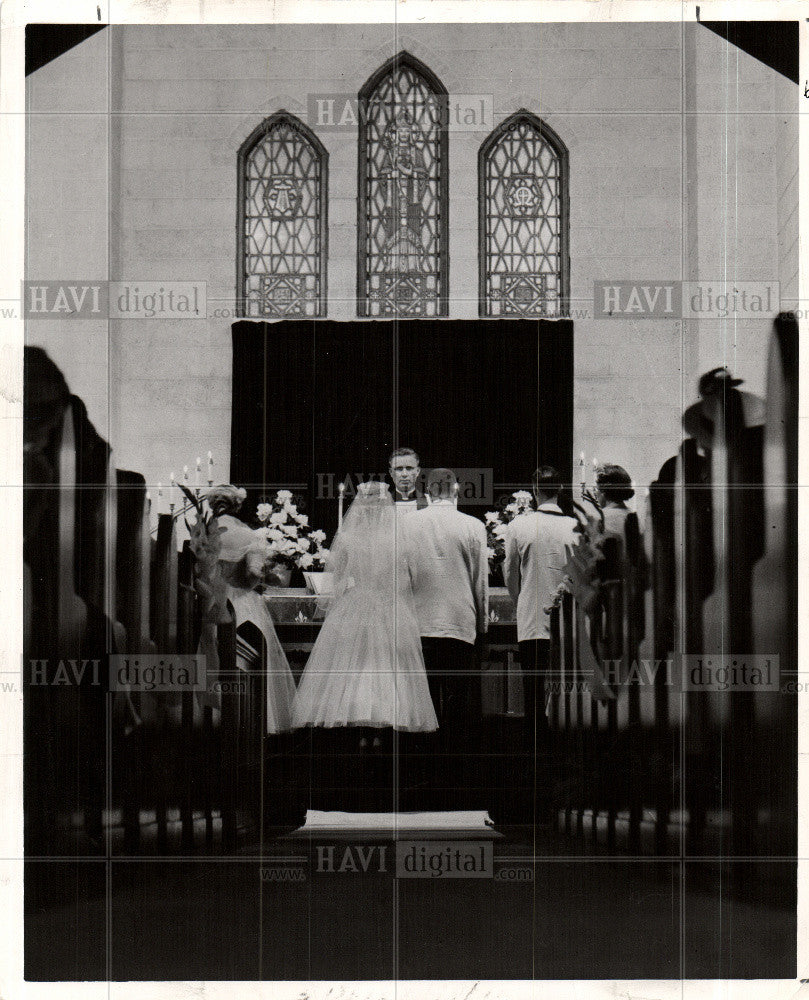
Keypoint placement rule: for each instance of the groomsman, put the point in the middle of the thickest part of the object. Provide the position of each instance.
(534, 564)
(449, 568)
(405, 472)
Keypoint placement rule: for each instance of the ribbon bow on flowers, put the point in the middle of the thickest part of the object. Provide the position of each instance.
(582, 581)
(583, 558)
(206, 544)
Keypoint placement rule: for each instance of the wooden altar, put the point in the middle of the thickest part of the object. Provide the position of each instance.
(299, 614)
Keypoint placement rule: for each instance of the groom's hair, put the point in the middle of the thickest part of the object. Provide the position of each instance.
(547, 481)
(401, 453)
(440, 482)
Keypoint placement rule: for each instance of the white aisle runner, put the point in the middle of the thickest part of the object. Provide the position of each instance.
(471, 821)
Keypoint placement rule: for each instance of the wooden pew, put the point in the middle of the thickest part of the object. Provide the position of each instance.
(58, 619)
(664, 746)
(133, 584)
(720, 547)
(71, 612)
(774, 593)
(97, 583)
(185, 755)
(693, 569)
(133, 560)
(71, 713)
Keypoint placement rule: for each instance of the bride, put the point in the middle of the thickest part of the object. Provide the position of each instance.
(366, 668)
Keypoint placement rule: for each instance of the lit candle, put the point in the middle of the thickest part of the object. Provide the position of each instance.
(582, 473)
(455, 491)
(159, 496)
(197, 473)
(340, 490)
(173, 493)
(210, 469)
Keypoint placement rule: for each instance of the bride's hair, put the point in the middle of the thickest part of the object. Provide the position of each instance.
(373, 492)
(366, 537)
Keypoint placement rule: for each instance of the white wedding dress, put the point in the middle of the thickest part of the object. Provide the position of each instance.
(366, 668)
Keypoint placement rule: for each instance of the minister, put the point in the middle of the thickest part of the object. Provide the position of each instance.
(405, 472)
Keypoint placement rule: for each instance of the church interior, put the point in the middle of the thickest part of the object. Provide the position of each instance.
(506, 247)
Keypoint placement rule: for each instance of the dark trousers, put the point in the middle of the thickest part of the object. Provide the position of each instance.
(451, 672)
(454, 685)
(534, 659)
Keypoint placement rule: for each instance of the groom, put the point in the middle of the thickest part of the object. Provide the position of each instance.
(450, 570)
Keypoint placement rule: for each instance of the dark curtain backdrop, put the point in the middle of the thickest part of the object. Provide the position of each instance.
(330, 399)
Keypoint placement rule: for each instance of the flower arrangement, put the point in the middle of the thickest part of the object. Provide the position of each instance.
(206, 544)
(582, 569)
(496, 521)
(292, 540)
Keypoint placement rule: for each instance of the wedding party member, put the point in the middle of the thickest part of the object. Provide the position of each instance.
(366, 668)
(242, 559)
(613, 489)
(405, 471)
(533, 568)
(623, 552)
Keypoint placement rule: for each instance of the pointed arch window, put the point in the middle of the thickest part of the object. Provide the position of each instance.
(403, 222)
(523, 204)
(282, 220)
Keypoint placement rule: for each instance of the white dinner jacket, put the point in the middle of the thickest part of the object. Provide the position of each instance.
(534, 565)
(449, 565)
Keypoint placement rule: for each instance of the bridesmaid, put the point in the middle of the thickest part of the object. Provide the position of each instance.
(242, 560)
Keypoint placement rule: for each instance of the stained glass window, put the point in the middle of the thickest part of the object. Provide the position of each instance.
(403, 220)
(523, 220)
(282, 244)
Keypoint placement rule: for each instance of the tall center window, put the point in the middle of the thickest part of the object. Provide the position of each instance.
(282, 221)
(523, 191)
(403, 232)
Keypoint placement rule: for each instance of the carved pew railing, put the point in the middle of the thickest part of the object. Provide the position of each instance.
(656, 763)
(106, 768)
